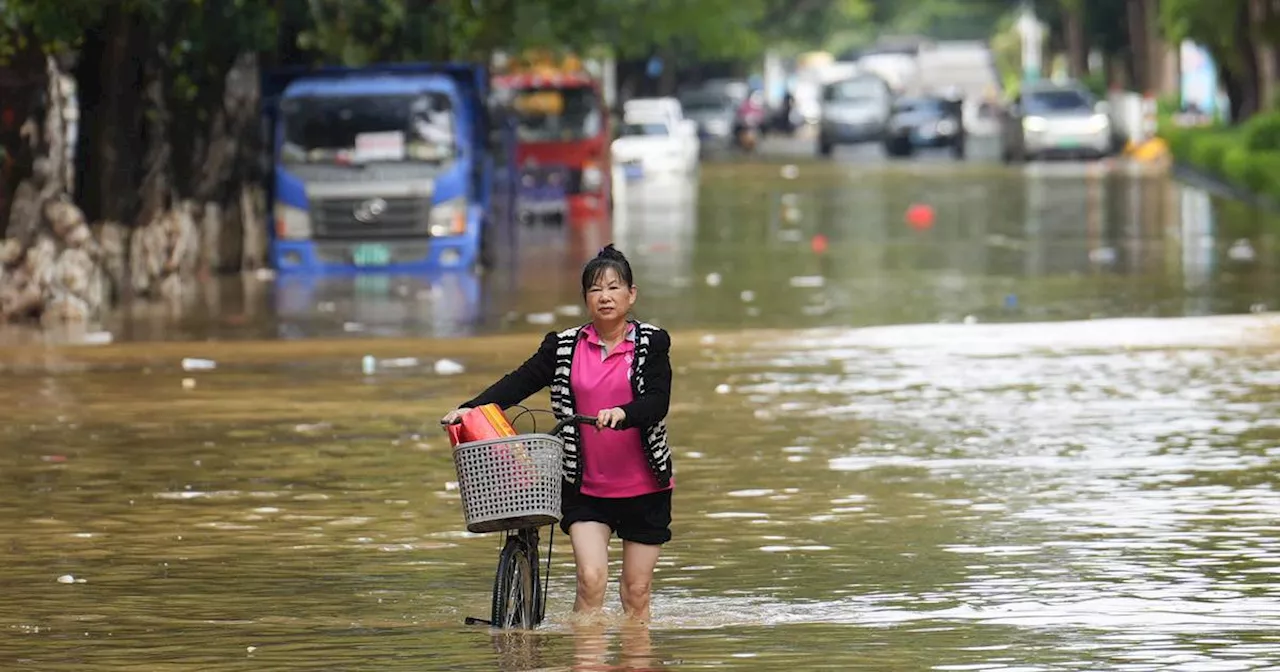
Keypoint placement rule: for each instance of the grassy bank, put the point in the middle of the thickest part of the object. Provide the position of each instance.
(1246, 156)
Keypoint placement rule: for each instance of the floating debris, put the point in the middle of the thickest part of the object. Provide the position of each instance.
(570, 310)
(193, 364)
(448, 367)
(97, 338)
(1241, 250)
(808, 281)
(1103, 255)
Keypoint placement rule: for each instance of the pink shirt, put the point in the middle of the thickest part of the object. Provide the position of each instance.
(614, 463)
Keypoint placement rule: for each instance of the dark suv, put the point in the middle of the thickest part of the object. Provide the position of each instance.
(925, 121)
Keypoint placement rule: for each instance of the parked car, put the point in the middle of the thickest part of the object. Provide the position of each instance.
(652, 142)
(854, 110)
(713, 112)
(925, 121)
(1048, 119)
(667, 107)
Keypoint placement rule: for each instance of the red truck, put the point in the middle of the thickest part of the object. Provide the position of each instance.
(562, 148)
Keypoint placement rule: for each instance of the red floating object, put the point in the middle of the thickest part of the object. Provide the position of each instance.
(920, 217)
(818, 244)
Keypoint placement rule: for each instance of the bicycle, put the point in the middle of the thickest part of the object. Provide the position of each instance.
(512, 484)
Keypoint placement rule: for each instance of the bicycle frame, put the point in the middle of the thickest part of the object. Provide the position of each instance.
(518, 543)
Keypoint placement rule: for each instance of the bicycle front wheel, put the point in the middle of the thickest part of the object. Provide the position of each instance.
(513, 587)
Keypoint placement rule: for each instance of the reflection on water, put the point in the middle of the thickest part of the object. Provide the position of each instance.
(1071, 495)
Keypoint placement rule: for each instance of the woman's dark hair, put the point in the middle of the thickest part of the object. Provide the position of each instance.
(609, 258)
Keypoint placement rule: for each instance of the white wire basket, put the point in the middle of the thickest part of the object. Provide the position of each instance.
(511, 482)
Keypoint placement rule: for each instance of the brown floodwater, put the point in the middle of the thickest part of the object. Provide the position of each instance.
(984, 446)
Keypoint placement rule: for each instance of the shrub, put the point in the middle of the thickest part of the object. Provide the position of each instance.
(1262, 132)
(1209, 151)
(1264, 172)
(1180, 140)
(1235, 165)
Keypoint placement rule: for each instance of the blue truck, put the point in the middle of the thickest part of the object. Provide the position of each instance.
(399, 168)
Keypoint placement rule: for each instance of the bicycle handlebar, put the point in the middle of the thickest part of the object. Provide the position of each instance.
(575, 419)
(562, 422)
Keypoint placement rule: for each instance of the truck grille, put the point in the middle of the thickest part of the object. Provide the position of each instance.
(399, 217)
(545, 180)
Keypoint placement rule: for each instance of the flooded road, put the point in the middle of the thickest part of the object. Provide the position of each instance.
(1055, 241)
(1026, 489)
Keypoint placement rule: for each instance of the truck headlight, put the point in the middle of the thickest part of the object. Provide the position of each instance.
(1099, 122)
(592, 177)
(292, 223)
(448, 218)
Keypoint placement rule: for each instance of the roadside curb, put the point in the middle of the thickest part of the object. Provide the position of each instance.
(1196, 177)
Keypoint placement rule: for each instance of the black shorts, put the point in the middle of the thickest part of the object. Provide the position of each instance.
(645, 519)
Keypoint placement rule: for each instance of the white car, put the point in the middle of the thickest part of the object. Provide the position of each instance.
(670, 108)
(653, 144)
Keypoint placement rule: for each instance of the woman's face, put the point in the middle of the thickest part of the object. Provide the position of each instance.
(610, 298)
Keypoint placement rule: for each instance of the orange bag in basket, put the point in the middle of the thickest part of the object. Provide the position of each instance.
(480, 423)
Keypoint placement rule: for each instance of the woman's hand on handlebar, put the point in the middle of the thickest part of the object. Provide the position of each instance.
(453, 417)
(610, 417)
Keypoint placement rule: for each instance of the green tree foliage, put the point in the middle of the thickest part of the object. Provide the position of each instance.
(942, 19)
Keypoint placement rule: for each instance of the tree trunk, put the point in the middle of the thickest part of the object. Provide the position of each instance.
(110, 78)
(1261, 14)
(1077, 47)
(165, 249)
(1246, 57)
(253, 215)
(1139, 46)
(50, 262)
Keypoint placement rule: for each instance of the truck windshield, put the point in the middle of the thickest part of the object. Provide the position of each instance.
(367, 129)
(557, 114)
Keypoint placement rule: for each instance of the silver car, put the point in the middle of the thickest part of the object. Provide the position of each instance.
(1055, 120)
(854, 110)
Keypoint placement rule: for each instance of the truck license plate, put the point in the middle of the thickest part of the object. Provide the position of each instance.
(371, 254)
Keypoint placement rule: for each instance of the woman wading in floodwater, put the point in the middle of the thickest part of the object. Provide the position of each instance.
(617, 476)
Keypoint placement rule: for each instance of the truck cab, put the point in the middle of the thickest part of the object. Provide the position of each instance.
(562, 153)
(393, 168)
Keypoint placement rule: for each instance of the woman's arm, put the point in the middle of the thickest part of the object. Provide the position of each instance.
(515, 387)
(651, 407)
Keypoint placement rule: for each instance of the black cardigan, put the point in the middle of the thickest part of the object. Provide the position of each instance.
(551, 366)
